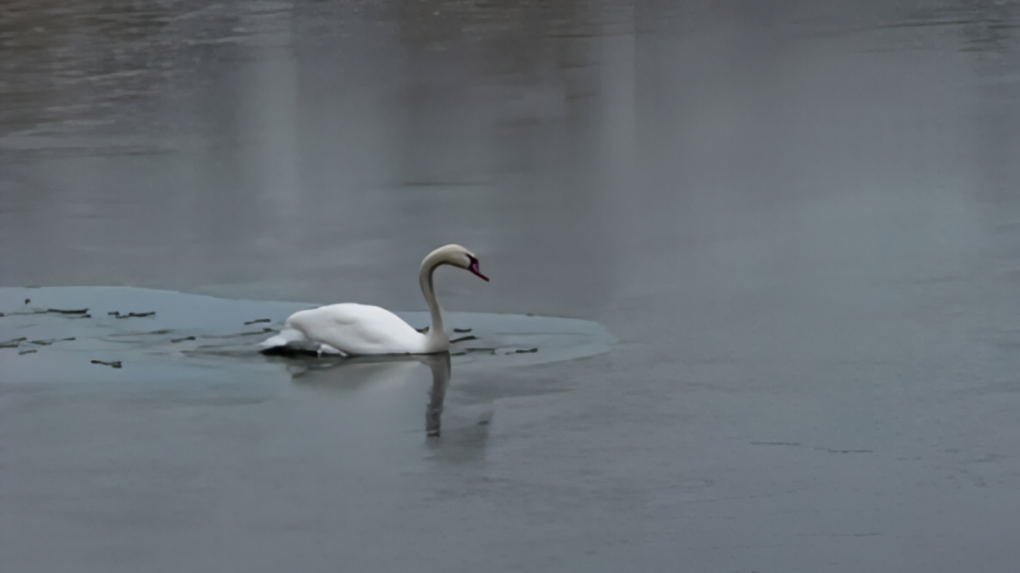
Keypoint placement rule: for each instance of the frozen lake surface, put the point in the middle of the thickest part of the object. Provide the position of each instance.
(800, 220)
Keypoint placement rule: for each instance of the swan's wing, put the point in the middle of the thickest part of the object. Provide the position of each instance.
(358, 329)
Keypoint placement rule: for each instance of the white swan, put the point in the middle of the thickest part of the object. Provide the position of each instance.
(352, 329)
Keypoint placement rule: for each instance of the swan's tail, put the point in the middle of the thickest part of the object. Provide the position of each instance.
(286, 337)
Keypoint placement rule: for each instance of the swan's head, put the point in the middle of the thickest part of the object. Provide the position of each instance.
(457, 256)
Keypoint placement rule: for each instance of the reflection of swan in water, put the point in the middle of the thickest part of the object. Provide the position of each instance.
(440, 365)
(350, 329)
(365, 373)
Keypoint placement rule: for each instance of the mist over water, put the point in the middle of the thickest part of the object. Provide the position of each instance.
(799, 219)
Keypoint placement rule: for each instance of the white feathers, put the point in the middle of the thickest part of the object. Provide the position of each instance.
(354, 329)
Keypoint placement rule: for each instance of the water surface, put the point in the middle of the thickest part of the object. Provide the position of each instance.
(799, 219)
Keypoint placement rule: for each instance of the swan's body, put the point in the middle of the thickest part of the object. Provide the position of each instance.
(354, 329)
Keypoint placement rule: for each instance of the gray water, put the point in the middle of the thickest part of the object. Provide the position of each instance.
(799, 219)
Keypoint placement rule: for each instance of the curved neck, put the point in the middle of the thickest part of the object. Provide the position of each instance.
(428, 266)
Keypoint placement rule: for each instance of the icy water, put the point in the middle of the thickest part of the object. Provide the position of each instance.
(798, 220)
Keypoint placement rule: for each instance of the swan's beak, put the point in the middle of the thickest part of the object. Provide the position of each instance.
(474, 268)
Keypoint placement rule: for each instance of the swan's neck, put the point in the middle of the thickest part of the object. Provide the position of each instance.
(437, 330)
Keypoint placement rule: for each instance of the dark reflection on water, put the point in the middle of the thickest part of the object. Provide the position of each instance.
(440, 366)
(349, 373)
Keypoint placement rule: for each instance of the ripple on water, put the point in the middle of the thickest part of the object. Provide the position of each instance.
(165, 335)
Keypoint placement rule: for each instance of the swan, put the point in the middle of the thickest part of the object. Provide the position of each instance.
(351, 329)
